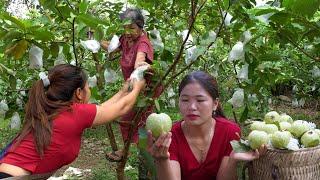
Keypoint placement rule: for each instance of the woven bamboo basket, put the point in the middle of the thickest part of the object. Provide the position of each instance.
(303, 164)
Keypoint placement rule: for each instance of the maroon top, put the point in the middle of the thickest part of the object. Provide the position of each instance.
(191, 169)
(65, 142)
(129, 54)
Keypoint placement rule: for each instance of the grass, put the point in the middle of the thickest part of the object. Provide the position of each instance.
(7, 134)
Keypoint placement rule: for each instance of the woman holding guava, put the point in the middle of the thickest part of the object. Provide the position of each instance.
(198, 147)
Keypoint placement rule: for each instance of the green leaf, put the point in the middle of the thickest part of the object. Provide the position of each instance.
(281, 18)
(54, 49)
(141, 102)
(48, 4)
(264, 10)
(11, 35)
(244, 115)
(9, 71)
(156, 103)
(13, 82)
(149, 163)
(43, 35)
(14, 20)
(18, 49)
(239, 147)
(143, 138)
(166, 56)
(269, 57)
(303, 7)
(90, 20)
(83, 6)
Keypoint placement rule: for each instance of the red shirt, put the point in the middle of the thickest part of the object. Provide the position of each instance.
(65, 142)
(129, 54)
(220, 146)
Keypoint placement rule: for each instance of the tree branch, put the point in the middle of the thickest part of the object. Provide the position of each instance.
(179, 54)
(73, 41)
(299, 48)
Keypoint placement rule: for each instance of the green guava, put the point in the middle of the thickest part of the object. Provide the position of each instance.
(310, 138)
(158, 124)
(271, 117)
(280, 139)
(299, 127)
(270, 128)
(285, 118)
(257, 138)
(284, 126)
(257, 125)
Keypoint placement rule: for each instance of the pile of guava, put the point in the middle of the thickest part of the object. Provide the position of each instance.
(280, 131)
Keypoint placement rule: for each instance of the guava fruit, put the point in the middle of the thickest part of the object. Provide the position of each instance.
(310, 138)
(299, 127)
(257, 138)
(284, 126)
(158, 123)
(270, 128)
(257, 125)
(271, 117)
(285, 118)
(280, 139)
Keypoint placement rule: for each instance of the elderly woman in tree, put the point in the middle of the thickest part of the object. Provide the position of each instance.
(57, 113)
(136, 50)
(198, 147)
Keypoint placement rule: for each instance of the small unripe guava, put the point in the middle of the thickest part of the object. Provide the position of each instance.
(270, 128)
(257, 125)
(284, 126)
(158, 123)
(299, 127)
(257, 138)
(271, 117)
(285, 118)
(280, 139)
(310, 138)
(317, 131)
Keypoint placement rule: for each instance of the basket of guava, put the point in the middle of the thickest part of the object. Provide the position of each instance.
(293, 148)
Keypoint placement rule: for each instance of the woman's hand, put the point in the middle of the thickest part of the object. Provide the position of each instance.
(159, 149)
(140, 84)
(104, 45)
(249, 156)
(143, 63)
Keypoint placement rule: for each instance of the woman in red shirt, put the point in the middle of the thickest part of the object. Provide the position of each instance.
(136, 49)
(198, 147)
(57, 113)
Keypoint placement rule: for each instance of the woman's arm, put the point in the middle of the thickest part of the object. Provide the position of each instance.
(166, 169)
(118, 105)
(140, 59)
(228, 169)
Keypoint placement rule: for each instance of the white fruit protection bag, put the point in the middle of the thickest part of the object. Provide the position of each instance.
(91, 45)
(114, 44)
(156, 40)
(15, 121)
(92, 81)
(110, 75)
(237, 98)
(3, 108)
(35, 57)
